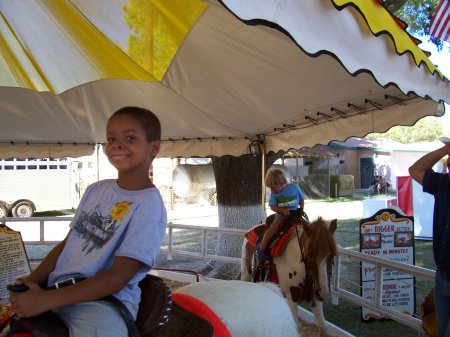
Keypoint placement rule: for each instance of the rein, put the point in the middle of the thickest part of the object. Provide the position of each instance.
(309, 277)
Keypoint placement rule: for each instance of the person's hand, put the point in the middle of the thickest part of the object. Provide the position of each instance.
(446, 142)
(28, 303)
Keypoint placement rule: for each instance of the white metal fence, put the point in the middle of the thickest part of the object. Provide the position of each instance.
(42, 235)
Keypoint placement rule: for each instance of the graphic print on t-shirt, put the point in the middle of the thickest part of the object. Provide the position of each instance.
(96, 229)
(286, 201)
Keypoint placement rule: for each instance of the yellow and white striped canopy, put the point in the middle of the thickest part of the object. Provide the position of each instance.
(218, 74)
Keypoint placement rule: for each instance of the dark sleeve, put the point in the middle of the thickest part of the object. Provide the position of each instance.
(431, 181)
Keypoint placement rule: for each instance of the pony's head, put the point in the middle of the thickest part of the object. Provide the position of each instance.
(318, 254)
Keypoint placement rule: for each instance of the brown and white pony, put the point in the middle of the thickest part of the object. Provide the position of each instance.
(303, 268)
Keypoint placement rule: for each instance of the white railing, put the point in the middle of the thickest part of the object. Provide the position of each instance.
(376, 303)
(170, 250)
(337, 291)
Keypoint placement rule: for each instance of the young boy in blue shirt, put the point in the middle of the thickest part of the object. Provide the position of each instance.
(283, 198)
(114, 239)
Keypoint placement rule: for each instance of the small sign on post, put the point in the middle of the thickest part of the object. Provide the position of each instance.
(13, 264)
(389, 235)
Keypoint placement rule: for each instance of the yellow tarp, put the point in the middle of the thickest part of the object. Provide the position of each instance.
(381, 21)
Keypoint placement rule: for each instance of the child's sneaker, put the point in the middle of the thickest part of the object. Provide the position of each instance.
(262, 255)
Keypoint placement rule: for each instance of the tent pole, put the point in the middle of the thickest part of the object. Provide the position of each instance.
(98, 161)
(263, 187)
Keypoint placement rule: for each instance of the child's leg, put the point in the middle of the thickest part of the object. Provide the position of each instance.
(96, 318)
(271, 231)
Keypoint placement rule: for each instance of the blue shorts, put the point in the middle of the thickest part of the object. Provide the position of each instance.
(93, 319)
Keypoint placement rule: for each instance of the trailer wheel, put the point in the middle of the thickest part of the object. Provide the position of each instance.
(3, 211)
(23, 209)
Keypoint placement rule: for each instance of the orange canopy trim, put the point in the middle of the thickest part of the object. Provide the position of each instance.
(381, 21)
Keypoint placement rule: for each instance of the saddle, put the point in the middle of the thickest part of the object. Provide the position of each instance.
(266, 271)
(158, 316)
(278, 241)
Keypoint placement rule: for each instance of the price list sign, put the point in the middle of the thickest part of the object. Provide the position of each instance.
(389, 235)
(13, 264)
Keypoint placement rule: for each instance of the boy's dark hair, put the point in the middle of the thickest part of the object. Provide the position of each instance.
(148, 120)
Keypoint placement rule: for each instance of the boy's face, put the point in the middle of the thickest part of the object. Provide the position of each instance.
(277, 188)
(127, 147)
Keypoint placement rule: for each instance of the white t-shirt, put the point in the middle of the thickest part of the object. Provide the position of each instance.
(111, 222)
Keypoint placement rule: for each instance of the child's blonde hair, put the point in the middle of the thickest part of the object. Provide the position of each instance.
(275, 176)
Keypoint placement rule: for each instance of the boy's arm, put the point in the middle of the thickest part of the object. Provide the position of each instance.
(280, 210)
(418, 169)
(37, 300)
(302, 204)
(40, 274)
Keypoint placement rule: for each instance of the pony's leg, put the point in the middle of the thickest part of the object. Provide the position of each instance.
(317, 310)
(294, 310)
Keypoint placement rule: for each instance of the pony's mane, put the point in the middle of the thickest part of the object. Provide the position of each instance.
(321, 242)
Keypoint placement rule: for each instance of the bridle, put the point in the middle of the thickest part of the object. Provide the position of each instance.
(311, 266)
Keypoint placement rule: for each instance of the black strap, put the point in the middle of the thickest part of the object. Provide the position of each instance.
(125, 313)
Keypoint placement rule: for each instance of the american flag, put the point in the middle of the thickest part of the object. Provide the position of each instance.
(440, 22)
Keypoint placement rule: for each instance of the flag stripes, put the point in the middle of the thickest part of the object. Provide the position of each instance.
(440, 23)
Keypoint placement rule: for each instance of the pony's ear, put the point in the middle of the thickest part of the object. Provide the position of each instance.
(333, 225)
(308, 228)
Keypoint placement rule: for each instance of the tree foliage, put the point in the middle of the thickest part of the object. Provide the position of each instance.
(417, 15)
(427, 129)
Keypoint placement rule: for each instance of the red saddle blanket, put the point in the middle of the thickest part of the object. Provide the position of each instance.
(204, 311)
(277, 246)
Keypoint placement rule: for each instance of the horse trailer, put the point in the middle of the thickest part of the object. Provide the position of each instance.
(30, 185)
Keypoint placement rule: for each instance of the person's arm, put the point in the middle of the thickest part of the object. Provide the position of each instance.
(280, 210)
(36, 300)
(418, 169)
(302, 203)
(40, 274)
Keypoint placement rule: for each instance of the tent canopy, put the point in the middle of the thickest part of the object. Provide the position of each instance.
(219, 75)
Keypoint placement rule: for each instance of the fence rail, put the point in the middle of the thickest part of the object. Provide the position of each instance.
(336, 289)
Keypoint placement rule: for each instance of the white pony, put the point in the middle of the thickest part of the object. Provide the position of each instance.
(247, 309)
(303, 269)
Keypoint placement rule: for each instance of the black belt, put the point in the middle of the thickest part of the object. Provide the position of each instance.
(125, 313)
(65, 283)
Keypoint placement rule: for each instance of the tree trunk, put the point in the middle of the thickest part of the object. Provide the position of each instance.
(239, 189)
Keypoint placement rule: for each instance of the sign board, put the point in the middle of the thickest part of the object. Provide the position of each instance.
(13, 264)
(389, 235)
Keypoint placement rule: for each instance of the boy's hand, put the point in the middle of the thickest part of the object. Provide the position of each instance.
(29, 303)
